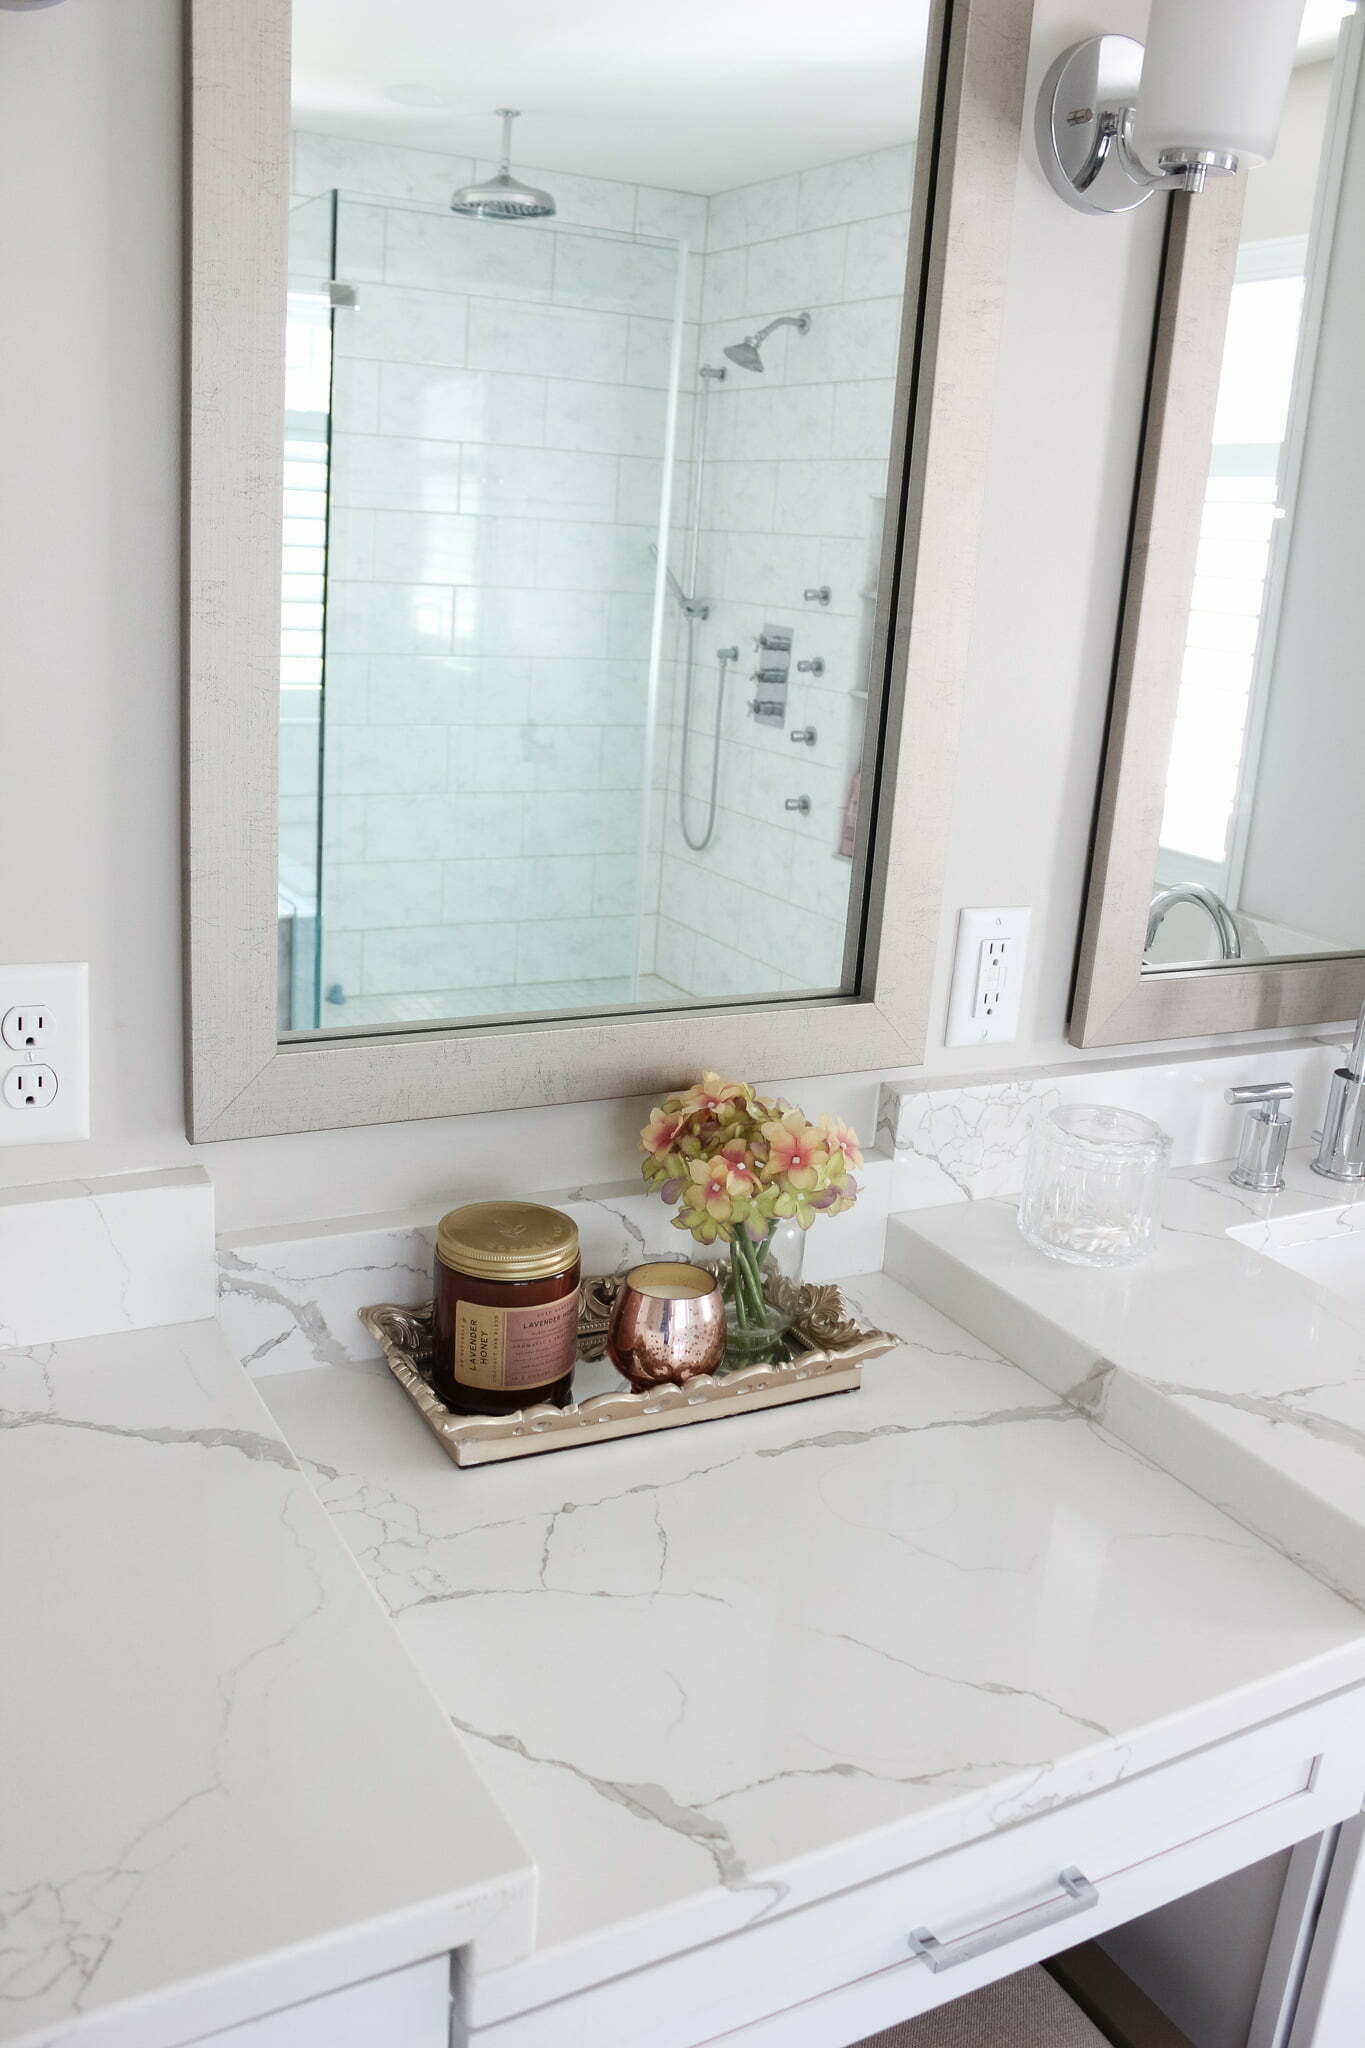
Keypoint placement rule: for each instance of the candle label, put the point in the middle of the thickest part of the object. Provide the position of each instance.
(514, 1347)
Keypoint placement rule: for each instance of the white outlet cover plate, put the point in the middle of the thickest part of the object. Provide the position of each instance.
(62, 987)
(975, 929)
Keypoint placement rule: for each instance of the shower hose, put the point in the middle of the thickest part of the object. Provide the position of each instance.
(724, 656)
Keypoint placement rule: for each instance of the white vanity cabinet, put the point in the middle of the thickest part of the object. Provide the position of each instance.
(842, 1968)
(1330, 2010)
(404, 2009)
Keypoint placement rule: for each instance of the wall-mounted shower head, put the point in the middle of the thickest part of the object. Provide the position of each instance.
(746, 353)
(503, 197)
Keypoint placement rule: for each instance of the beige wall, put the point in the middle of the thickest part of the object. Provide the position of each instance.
(89, 334)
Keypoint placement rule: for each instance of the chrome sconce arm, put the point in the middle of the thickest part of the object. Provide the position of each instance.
(1086, 113)
(1118, 120)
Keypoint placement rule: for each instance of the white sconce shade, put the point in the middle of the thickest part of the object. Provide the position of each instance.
(1214, 78)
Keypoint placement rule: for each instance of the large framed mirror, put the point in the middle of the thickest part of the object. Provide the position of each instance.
(585, 460)
(1226, 891)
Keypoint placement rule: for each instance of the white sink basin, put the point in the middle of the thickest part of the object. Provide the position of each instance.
(1326, 1245)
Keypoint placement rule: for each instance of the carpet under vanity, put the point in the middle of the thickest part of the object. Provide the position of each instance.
(1027, 2011)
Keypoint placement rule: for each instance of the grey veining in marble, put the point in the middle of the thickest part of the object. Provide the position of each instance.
(716, 1674)
(1242, 1376)
(292, 1300)
(219, 1771)
(129, 1251)
(964, 1138)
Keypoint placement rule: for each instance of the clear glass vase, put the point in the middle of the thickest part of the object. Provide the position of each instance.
(761, 1289)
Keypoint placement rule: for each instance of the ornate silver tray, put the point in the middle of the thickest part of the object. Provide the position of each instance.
(826, 1348)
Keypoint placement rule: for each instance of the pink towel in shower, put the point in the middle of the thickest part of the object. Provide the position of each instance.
(848, 830)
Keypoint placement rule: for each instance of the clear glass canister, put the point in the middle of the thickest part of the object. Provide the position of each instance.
(507, 1297)
(1093, 1184)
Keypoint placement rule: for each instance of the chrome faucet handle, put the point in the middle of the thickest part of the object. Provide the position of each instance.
(1341, 1144)
(1265, 1136)
(1355, 1058)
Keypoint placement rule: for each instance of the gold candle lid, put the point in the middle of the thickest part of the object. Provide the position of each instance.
(507, 1241)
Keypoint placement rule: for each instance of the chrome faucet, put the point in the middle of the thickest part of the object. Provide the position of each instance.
(1265, 1136)
(1341, 1148)
(1222, 919)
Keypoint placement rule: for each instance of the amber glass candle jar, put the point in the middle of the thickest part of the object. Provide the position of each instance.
(506, 1307)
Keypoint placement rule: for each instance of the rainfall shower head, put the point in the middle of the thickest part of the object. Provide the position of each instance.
(503, 197)
(746, 353)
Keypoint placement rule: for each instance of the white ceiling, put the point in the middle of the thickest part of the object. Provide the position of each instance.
(696, 95)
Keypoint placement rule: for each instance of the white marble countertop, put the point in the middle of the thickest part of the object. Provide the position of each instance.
(715, 1674)
(219, 1768)
(1240, 1376)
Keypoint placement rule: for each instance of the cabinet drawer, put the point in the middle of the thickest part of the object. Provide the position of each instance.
(1138, 1843)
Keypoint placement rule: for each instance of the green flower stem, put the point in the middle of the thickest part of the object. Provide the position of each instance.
(746, 1259)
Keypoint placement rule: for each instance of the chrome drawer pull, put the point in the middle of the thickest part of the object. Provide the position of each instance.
(1080, 1896)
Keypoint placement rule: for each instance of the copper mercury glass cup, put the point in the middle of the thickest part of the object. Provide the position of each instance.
(667, 1324)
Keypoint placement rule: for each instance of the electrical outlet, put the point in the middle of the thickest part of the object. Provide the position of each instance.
(45, 1060)
(988, 977)
(29, 1087)
(25, 1027)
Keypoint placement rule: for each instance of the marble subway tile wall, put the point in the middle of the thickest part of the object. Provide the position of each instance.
(793, 498)
(500, 407)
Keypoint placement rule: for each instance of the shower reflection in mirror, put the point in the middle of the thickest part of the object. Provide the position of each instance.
(585, 488)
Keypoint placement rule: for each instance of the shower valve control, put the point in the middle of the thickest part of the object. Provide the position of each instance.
(774, 645)
(821, 594)
(814, 667)
(803, 735)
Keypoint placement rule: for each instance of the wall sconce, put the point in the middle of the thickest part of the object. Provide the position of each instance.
(1116, 124)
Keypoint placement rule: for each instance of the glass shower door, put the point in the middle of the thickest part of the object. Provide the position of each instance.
(503, 406)
(307, 425)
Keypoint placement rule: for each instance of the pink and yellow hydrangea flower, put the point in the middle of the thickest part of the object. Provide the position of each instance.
(796, 1152)
(711, 1189)
(839, 1137)
(660, 1135)
(716, 1098)
(735, 1162)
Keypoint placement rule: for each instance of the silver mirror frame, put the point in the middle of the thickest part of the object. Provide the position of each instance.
(1115, 1002)
(241, 1082)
